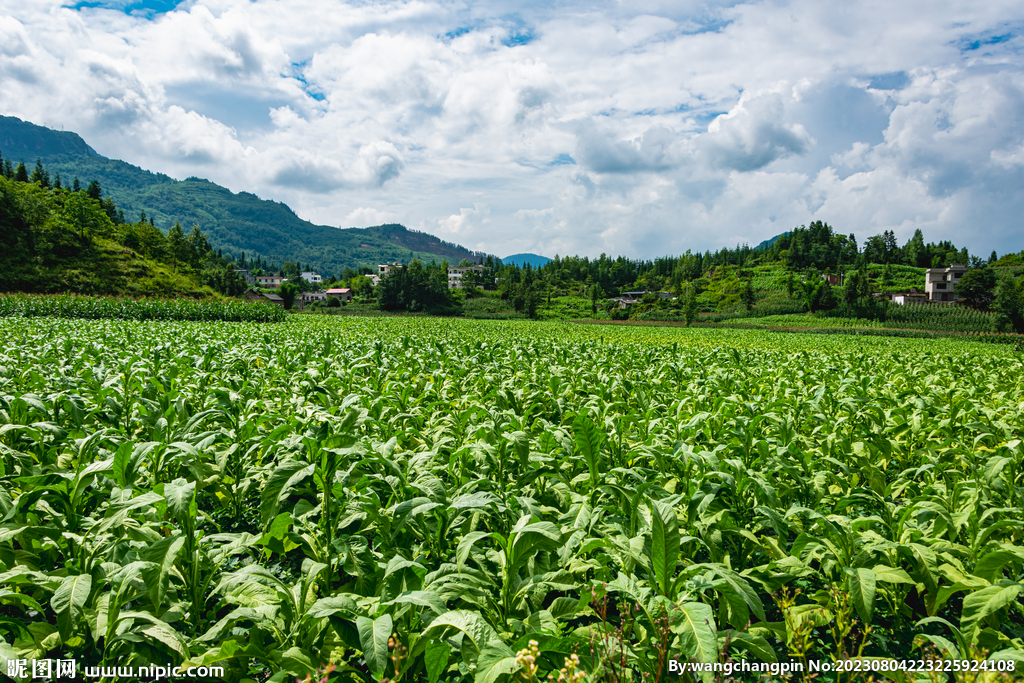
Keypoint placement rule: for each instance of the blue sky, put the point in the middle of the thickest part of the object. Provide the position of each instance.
(642, 128)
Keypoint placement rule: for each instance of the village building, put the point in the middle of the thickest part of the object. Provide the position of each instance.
(311, 277)
(247, 276)
(940, 283)
(270, 281)
(313, 297)
(340, 293)
(456, 273)
(385, 269)
(266, 297)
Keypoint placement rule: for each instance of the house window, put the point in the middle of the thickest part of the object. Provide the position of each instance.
(940, 285)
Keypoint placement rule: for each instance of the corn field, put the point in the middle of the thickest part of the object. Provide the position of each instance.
(423, 500)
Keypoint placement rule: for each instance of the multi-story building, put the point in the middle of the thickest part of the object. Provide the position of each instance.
(311, 276)
(313, 297)
(456, 273)
(247, 276)
(270, 281)
(940, 283)
(384, 269)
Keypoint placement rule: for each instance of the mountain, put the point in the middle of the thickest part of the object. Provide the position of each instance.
(769, 242)
(535, 260)
(233, 222)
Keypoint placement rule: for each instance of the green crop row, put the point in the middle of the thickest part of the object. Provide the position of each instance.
(103, 308)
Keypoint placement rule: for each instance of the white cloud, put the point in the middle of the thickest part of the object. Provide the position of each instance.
(635, 128)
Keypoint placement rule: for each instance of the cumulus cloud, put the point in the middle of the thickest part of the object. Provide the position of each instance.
(636, 128)
(754, 134)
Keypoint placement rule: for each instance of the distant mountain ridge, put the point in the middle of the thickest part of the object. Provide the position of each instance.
(233, 222)
(769, 242)
(534, 260)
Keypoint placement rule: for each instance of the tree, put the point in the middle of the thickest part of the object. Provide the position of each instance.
(176, 244)
(417, 288)
(790, 285)
(690, 305)
(1008, 305)
(977, 287)
(40, 175)
(21, 173)
(94, 190)
(824, 298)
(747, 296)
(287, 291)
(915, 251)
(851, 288)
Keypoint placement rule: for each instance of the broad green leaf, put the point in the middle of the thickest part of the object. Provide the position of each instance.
(180, 495)
(588, 444)
(991, 565)
(861, 584)
(284, 478)
(436, 659)
(431, 601)
(478, 632)
(664, 544)
(466, 544)
(373, 639)
(494, 662)
(163, 554)
(325, 607)
(695, 624)
(984, 603)
(68, 602)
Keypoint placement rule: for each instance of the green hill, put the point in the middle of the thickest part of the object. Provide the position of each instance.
(233, 222)
(55, 240)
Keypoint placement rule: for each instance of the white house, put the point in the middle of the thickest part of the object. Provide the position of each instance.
(940, 283)
(311, 297)
(311, 277)
(456, 273)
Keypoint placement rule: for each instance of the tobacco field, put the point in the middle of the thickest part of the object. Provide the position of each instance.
(416, 499)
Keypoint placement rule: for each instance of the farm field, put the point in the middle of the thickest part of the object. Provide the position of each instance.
(417, 499)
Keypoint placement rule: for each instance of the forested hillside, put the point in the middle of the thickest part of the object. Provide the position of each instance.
(60, 239)
(233, 222)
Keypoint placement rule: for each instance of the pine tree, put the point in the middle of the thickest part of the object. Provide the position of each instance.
(747, 296)
(56, 182)
(94, 190)
(21, 173)
(75, 185)
(8, 169)
(39, 175)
